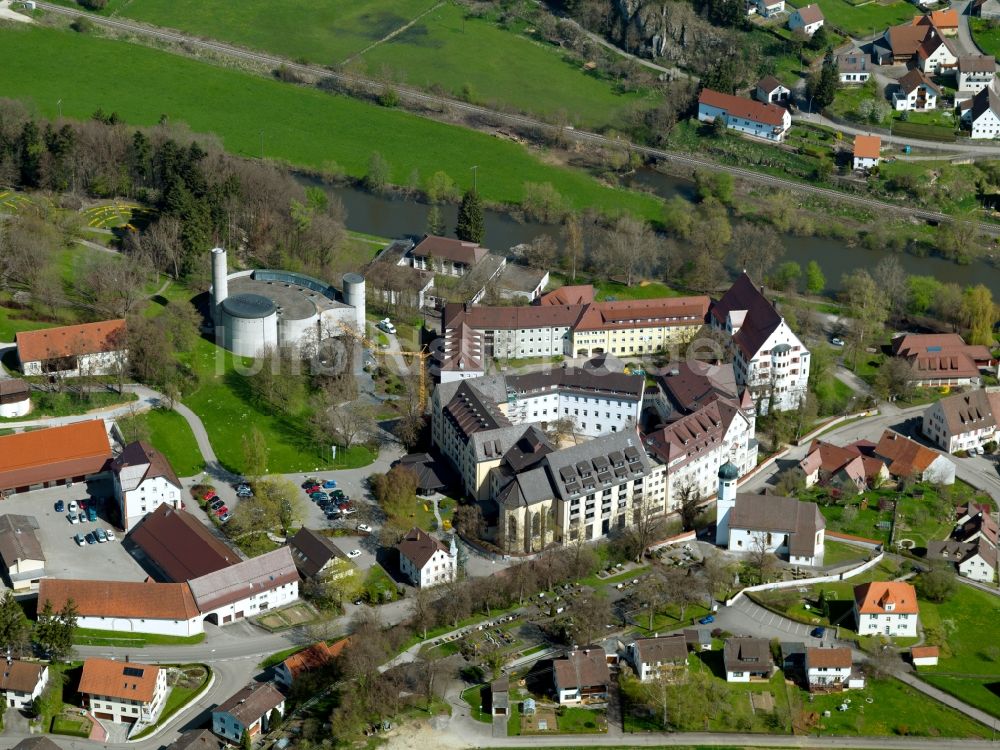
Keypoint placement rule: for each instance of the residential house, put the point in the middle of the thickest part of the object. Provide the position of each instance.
(582, 676)
(886, 608)
(657, 657)
(15, 398)
(73, 351)
(123, 691)
(945, 21)
(852, 465)
(899, 44)
(853, 67)
(197, 739)
(793, 659)
(176, 547)
(772, 91)
(767, 121)
(982, 114)
(427, 561)
(924, 656)
(144, 480)
(247, 588)
(432, 474)
(940, 359)
(500, 696)
(988, 9)
(907, 458)
(769, 359)
(444, 255)
(248, 710)
(962, 422)
(22, 681)
(129, 606)
(747, 659)
(317, 557)
(53, 456)
(806, 19)
(867, 151)
(782, 525)
(765, 8)
(936, 54)
(975, 72)
(21, 553)
(975, 522)
(915, 92)
(828, 668)
(38, 742)
(308, 659)
(975, 560)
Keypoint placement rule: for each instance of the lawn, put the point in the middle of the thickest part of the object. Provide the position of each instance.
(474, 697)
(968, 622)
(186, 684)
(302, 126)
(91, 637)
(378, 586)
(64, 404)
(170, 434)
(11, 324)
(863, 20)
(986, 35)
(836, 553)
(72, 725)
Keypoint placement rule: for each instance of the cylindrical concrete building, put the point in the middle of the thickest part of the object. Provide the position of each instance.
(220, 282)
(354, 295)
(249, 323)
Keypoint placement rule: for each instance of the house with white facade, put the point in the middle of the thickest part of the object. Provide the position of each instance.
(915, 92)
(887, 608)
(747, 659)
(982, 113)
(248, 710)
(73, 351)
(782, 525)
(582, 676)
(975, 72)
(940, 359)
(936, 54)
(657, 657)
(867, 152)
(828, 668)
(22, 681)
(769, 359)
(853, 466)
(247, 588)
(771, 91)
(964, 421)
(976, 560)
(15, 398)
(123, 691)
(806, 19)
(906, 458)
(144, 480)
(853, 67)
(427, 561)
(767, 121)
(924, 656)
(318, 558)
(21, 553)
(128, 606)
(765, 8)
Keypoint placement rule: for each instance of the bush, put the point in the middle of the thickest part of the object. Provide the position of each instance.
(93, 4)
(81, 25)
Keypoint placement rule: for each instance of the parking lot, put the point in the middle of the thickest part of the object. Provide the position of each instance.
(63, 557)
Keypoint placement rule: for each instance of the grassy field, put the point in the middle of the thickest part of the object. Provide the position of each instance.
(863, 20)
(65, 404)
(474, 696)
(300, 125)
(170, 434)
(71, 725)
(91, 637)
(194, 678)
(986, 35)
(11, 324)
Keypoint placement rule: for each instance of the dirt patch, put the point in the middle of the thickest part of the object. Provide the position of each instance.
(543, 720)
(762, 702)
(420, 736)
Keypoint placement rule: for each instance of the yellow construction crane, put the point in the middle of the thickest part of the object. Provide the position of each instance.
(421, 358)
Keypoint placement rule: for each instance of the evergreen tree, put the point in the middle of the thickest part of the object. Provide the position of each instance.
(435, 222)
(14, 626)
(471, 225)
(31, 150)
(53, 633)
(822, 86)
(246, 743)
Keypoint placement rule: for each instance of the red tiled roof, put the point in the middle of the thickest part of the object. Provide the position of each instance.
(447, 248)
(872, 598)
(942, 19)
(867, 146)
(317, 655)
(119, 679)
(54, 453)
(154, 601)
(906, 457)
(579, 294)
(920, 652)
(68, 341)
(643, 313)
(737, 106)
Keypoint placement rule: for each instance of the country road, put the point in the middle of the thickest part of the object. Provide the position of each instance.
(582, 136)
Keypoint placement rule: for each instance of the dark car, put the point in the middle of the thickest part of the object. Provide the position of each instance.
(707, 620)
(310, 482)
(216, 504)
(60, 506)
(818, 632)
(337, 493)
(221, 511)
(91, 539)
(317, 496)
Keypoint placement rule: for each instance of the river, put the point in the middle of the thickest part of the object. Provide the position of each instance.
(391, 217)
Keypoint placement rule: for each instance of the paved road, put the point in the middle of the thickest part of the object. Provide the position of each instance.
(582, 136)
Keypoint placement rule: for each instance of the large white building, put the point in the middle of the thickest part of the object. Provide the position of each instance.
(427, 561)
(982, 113)
(767, 121)
(73, 351)
(886, 608)
(248, 588)
(963, 422)
(768, 357)
(123, 691)
(144, 480)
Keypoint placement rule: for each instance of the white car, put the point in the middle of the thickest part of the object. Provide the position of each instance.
(386, 325)
(365, 528)
(837, 341)
(73, 507)
(354, 553)
(111, 536)
(73, 518)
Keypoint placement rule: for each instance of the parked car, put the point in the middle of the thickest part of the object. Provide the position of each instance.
(91, 513)
(364, 528)
(72, 518)
(386, 325)
(110, 534)
(217, 504)
(81, 517)
(222, 511)
(837, 341)
(73, 507)
(337, 493)
(348, 510)
(224, 518)
(329, 484)
(101, 535)
(707, 620)
(80, 540)
(354, 553)
(309, 482)
(247, 493)
(318, 497)
(60, 506)
(818, 632)
(83, 505)
(242, 486)
(209, 496)
(91, 539)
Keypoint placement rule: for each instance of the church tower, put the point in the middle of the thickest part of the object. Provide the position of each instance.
(725, 501)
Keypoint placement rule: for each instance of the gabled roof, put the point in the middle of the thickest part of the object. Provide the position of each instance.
(800, 520)
(747, 655)
(419, 547)
(810, 14)
(905, 457)
(179, 545)
(867, 147)
(854, 61)
(142, 454)
(20, 676)
(315, 656)
(977, 64)
(582, 668)
(119, 679)
(18, 540)
(905, 40)
(932, 42)
(760, 320)
(920, 652)
(691, 384)
(915, 78)
(985, 100)
(579, 294)
(70, 341)
(130, 599)
(13, 390)
(872, 598)
(770, 84)
(830, 658)
(941, 19)
(448, 248)
(642, 313)
(979, 524)
(251, 703)
(230, 585)
(695, 434)
(197, 739)
(965, 412)
(38, 456)
(664, 649)
(312, 551)
(737, 106)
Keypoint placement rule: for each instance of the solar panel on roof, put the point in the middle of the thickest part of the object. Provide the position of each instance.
(133, 672)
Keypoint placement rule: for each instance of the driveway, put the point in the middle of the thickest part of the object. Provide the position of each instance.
(747, 618)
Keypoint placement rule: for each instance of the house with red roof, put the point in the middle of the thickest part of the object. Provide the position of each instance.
(73, 351)
(767, 121)
(887, 608)
(843, 465)
(906, 458)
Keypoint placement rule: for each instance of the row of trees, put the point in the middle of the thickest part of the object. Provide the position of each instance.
(51, 635)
